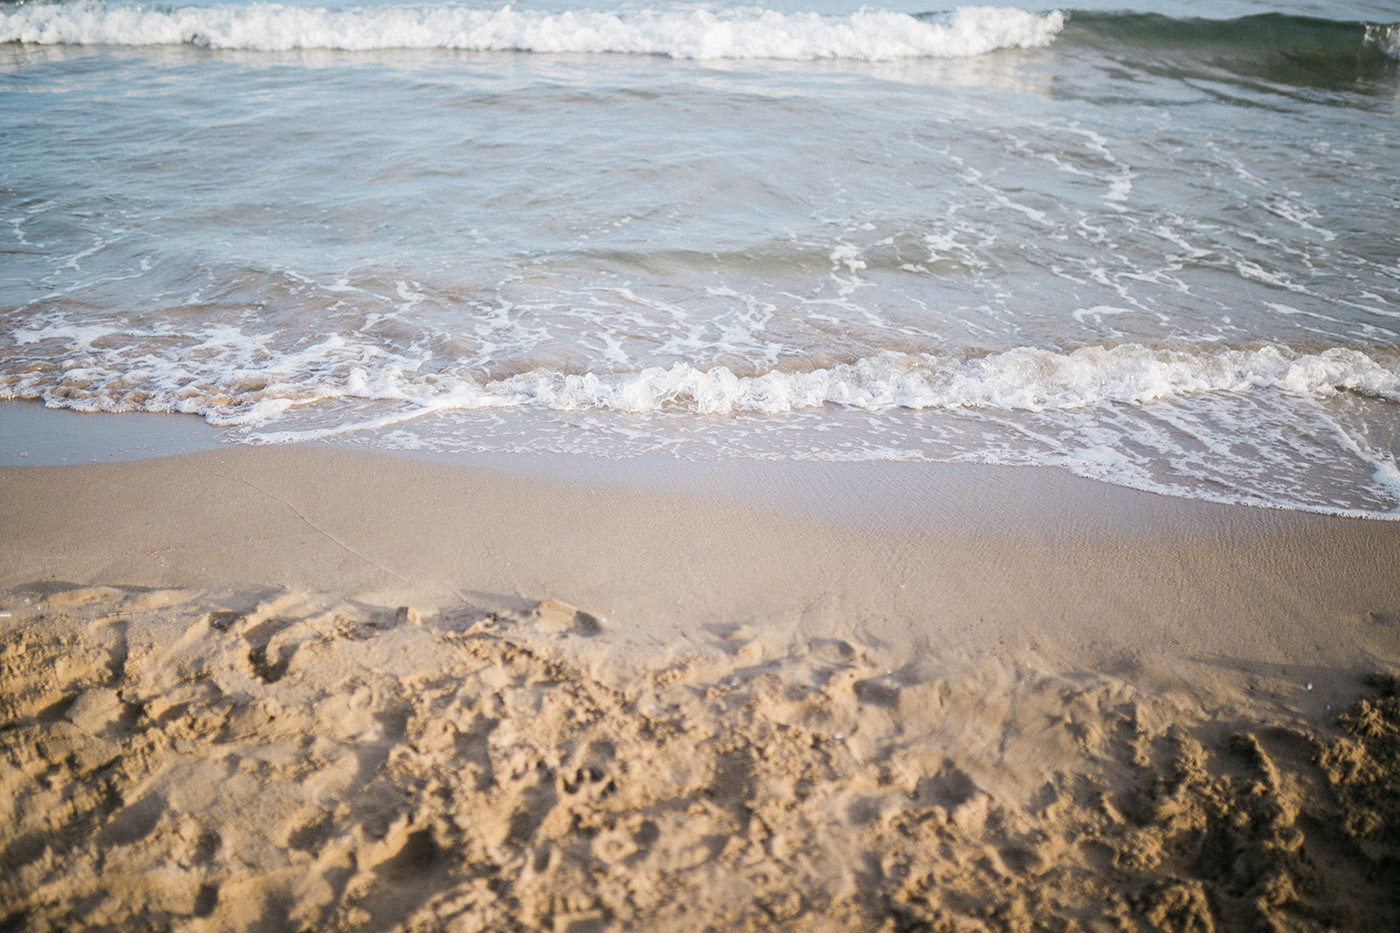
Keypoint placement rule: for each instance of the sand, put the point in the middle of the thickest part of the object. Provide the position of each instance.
(308, 688)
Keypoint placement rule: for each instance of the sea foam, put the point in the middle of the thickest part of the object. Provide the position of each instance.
(1385, 37)
(868, 35)
(241, 381)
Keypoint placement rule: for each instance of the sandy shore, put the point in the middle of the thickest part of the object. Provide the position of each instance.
(306, 688)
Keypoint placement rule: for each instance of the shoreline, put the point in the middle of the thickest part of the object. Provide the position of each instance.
(38, 436)
(279, 687)
(668, 545)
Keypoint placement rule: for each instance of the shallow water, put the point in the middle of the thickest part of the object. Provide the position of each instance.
(1153, 249)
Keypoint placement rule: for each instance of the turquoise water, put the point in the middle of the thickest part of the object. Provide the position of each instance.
(1157, 248)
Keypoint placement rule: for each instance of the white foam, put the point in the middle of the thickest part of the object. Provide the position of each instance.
(1242, 425)
(236, 379)
(78, 336)
(1386, 38)
(868, 35)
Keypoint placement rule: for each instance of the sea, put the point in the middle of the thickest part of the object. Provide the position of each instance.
(1152, 242)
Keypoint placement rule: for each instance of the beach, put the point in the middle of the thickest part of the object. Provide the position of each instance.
(306, 687)
(596, 465)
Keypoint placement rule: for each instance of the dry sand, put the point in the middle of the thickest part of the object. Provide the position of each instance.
(313, 689)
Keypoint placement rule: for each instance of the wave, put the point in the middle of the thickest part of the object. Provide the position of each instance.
(1297, 50)
(1302, 37)
(240, 383)
(868, 35)
(1025, 378)
(1269, 425)
(1271, 42)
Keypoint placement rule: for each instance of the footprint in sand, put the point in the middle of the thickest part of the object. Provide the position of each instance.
(555, 615)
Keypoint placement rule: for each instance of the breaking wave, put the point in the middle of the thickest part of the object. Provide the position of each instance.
(868, 35)
(238, 380)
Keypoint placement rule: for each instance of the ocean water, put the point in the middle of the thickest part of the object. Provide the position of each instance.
(1156, 243)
